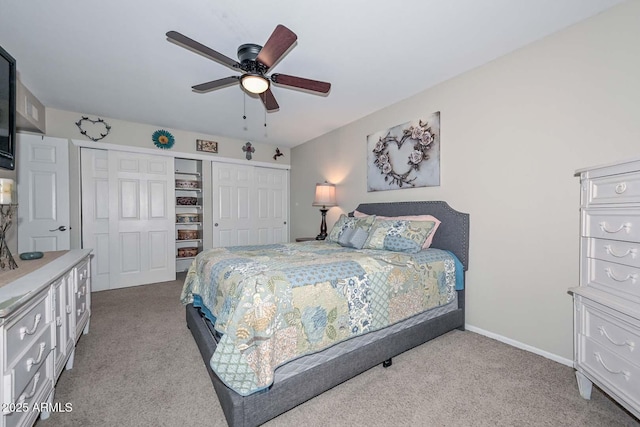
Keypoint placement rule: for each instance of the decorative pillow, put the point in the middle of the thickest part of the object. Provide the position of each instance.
(358, 238)
(427, 242)
(353, 238)
(348, 222)
(344, 238)
(398, 235)
(341, 224)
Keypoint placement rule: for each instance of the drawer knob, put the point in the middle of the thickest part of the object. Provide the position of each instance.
(605, 227)
(621, 188)
(31, 362)
(23, 396)
(611, 252)
(625, 374)
(81, 309)
(612, 276)
(24, 331)
(628, 343)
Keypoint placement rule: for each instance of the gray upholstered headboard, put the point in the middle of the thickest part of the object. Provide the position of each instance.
(453, 233)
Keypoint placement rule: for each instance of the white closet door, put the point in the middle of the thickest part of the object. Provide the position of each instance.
(272, 205)
(43, 193)
(95, 213)
(250, 205)
(233, 206)
(141, 219)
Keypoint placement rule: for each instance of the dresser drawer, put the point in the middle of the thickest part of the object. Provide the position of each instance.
(21, 333)
(617, 251)
(612, 224)
(615, 331)
(81, 301)
(82, 271)
(36, 392)
(623, 188)
(23, 371)
(617, 279)
(82, 307)
(617, 374)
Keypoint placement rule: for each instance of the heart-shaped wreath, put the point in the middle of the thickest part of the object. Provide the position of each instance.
(422, 137)
(97, 121)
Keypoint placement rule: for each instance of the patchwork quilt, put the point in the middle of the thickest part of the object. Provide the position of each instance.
(274, 303)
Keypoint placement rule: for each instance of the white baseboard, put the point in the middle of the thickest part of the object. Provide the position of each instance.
(520, 345)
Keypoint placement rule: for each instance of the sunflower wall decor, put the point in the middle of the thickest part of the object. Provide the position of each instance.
(163, 139)
(405, 156)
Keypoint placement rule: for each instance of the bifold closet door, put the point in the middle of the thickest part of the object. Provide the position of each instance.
(129, 217)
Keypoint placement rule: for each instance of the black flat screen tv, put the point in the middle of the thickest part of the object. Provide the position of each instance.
(7, 110)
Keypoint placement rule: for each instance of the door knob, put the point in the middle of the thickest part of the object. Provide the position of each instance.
(61, 228)
(215, 225)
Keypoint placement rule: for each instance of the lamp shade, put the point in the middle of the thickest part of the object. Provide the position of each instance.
(325, 195)
(6, 190)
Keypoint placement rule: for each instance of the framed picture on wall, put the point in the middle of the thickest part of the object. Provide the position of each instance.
(206, 146)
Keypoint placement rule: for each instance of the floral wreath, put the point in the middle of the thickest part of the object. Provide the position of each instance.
(423, 137)
(163, 139)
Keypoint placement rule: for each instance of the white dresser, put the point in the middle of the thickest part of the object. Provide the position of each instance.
(607, 302)
(42, 315)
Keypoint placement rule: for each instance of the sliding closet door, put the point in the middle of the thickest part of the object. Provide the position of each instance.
(272, 200)
(233, 207)
(141, 219)
(94, 166)
(128, 217)
(250, 205)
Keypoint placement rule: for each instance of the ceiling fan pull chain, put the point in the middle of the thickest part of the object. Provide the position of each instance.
(244, 106)
(265, 124)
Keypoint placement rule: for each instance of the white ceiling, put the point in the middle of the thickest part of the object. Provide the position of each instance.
(111, 58)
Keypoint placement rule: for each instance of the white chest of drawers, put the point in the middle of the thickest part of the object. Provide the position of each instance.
(42, 315)
(607, 302)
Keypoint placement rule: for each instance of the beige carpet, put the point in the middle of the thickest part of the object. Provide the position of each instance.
(139, 366)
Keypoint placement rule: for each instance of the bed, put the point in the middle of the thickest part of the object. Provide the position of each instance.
(318, 370)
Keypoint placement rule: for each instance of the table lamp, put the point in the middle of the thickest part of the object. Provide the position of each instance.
(6, 215)
(325, 197)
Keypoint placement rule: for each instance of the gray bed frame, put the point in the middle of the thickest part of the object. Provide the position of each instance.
(260, 407)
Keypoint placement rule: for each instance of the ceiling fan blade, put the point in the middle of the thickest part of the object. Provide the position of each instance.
(299, 82)
(203, 50)
(280, 41)
(269, 100)
(216, 84)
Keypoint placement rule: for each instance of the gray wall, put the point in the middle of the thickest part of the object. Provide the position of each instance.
(513, 133)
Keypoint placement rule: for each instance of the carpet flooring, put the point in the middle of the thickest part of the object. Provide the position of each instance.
(139, 366)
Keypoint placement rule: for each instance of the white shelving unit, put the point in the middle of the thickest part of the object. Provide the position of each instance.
(188, 170)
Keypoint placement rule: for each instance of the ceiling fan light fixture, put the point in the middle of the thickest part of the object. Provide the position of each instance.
(254, 83)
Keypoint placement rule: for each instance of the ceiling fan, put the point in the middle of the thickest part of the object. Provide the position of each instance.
(255, 61)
